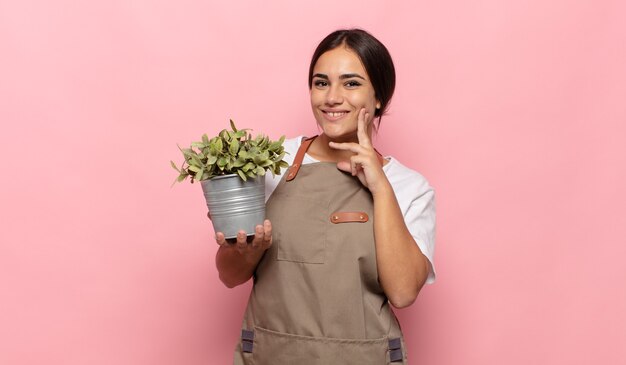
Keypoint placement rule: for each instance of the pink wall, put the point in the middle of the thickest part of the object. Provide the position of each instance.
(514, 111)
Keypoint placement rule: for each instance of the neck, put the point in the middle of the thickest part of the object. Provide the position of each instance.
(320, 150)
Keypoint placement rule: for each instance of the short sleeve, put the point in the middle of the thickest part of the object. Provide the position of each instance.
(420, 221)
(416, 199)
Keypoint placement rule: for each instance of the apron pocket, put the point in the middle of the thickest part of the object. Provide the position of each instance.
(300, 229)
(276, 348)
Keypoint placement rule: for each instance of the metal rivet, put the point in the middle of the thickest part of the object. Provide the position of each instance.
(335, 217)
(361, 217)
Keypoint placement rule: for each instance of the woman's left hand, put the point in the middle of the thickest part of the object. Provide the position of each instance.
(364, 164)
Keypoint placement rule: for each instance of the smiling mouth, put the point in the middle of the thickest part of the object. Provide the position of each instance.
(335, 115)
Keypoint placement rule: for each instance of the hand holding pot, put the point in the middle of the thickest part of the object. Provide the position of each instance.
(251, 247)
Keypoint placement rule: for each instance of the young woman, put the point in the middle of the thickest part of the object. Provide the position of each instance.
(348, 232)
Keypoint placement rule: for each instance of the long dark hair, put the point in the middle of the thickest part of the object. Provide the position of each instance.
(374, 56)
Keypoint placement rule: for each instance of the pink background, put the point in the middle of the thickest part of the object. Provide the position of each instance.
(513, 110)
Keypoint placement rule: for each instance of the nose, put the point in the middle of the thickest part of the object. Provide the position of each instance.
(334, 95)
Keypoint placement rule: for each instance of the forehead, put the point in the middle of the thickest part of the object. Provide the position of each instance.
(338, 61)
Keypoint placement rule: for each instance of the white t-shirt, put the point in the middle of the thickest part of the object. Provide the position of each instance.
(415, 197)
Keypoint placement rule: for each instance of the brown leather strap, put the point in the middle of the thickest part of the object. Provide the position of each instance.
(344, 217)
(297, 161)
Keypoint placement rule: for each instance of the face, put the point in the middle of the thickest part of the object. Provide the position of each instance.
(340, 88)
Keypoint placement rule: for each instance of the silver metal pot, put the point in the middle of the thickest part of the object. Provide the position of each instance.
(235, 204)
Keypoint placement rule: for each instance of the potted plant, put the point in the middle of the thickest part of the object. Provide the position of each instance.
(231, 168)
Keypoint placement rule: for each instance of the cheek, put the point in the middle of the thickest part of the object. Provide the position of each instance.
(316, 97)
(365, 100)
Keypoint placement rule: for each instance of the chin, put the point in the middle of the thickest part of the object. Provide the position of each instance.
(340, 136)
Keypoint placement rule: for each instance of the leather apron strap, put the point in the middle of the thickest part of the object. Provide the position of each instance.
(297, 161)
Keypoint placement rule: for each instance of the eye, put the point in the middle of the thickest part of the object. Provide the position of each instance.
(320, 83)
(352, 83)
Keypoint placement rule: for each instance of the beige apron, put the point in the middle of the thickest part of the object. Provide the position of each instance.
(316, 298)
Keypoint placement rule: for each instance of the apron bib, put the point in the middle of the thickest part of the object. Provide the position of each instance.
(316, 299)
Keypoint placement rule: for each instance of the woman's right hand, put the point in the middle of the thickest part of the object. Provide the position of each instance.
(251, 248)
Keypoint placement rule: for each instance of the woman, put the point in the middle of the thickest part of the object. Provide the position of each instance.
(348, 232)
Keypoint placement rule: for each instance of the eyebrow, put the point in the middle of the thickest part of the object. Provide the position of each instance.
(342, 77)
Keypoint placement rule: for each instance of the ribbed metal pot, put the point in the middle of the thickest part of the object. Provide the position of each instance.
(235, 204)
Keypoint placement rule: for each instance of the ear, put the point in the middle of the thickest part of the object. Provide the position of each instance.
(377, 104)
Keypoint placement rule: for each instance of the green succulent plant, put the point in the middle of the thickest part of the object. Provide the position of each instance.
(231, 152)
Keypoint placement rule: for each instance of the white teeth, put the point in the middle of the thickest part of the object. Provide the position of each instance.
(335, 114)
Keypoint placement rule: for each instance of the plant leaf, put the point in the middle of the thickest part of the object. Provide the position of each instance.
(197, 144)
(234, 147)
(187, 152)
(239, 162)
(242, 175)
(274, 146)
(174, 166)
(279, 157)
(232, 125)
(195, 159)
(259, 159)
(248, 166)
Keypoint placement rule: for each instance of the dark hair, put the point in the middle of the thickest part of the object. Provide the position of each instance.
(374, 56)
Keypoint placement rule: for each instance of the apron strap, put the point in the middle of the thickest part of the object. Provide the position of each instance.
(297, 161)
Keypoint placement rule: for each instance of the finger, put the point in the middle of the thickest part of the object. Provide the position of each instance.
(241, 240)
(219, 238)
(364, 139)
(258, 236)
(267, 237)
(344, 166)
(347, 146)
(356, 164)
